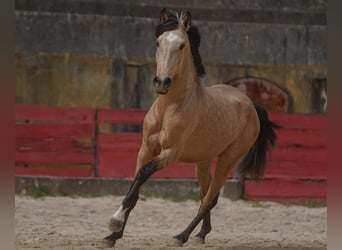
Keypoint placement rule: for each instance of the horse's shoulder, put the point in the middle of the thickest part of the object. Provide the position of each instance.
(152, 118)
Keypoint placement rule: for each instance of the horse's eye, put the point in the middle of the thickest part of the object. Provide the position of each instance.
(157, 43)
(182, 46)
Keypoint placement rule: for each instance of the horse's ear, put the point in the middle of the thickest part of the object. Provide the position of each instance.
(186, 21)
(163, 17)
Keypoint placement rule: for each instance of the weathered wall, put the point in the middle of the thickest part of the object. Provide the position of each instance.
(101, 53)
(82, 81)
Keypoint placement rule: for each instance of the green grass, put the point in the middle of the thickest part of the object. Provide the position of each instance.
(86, 195)
(314, 204)
(310, 204)
(170, 197)
(38, 192)
(42, 191)
(258, 204)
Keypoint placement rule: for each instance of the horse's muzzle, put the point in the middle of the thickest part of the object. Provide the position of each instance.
(162, 86)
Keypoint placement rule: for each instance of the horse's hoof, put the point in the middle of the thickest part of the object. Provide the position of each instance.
(105, 243)
(198, 240)
(115, 225)
(174, 242)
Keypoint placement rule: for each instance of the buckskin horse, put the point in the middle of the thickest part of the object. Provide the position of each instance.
(192, 123)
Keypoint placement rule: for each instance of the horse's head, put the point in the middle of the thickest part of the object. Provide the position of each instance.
(172, 45)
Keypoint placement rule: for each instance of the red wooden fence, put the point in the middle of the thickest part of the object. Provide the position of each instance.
(61, 141)
(48, 138)
(297, 168)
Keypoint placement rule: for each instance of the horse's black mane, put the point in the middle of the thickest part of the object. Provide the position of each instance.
(194, 38)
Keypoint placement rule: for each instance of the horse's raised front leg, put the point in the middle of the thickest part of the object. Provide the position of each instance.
(119, 219)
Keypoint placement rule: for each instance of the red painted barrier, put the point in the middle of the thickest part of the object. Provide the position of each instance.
(62, 141)
(297, 169)
(54, 141)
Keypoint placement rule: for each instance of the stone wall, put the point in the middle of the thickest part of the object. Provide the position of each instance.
(101, 53)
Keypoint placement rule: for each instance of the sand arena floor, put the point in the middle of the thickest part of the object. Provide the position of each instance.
(81, 223)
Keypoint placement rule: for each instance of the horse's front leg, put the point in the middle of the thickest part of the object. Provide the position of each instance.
(119, 219)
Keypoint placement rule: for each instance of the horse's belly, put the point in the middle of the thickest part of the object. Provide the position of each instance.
(204, 147)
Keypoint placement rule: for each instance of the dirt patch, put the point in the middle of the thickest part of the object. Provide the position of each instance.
(81, 223)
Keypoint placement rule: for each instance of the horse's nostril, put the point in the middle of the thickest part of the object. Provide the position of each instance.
(156, 80)
(167, 81)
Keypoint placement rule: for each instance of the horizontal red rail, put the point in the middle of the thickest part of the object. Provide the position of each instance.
(121, 116)
(43, 171)
(52, 113)
(53, 158)
(54, 130)
(53, 144)
(299, 121)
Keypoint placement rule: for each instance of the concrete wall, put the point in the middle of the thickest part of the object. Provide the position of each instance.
(101, 53)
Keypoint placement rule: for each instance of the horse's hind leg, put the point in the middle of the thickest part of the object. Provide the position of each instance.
(224, 165)
(204, 179)
(183, 237)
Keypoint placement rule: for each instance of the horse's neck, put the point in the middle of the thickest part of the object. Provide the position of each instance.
(185, 89)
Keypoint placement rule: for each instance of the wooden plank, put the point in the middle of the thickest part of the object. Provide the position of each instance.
(302, 137)
(286, 190)
(118, 153)
(57, 158)
(296, 170)
(52, 144)
(117, 163)
(51, 113)
(301, 154)
(116, 169)
(121, 116)
(112, 140)
(53, 172)
(54, 130)
(300, 121)
(124, 167)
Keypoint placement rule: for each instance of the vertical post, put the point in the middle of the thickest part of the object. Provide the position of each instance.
(95, 144)
(133, 100)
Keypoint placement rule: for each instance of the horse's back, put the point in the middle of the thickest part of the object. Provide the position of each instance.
(228, 95)
(228, 100)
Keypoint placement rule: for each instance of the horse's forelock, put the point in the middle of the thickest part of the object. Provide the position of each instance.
(171, 24)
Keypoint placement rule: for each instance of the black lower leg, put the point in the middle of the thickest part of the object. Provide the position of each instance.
(132, 196)
(206, 227)
(202, 213)
(142, 176)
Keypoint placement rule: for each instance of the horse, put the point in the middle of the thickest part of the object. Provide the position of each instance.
(191, 123)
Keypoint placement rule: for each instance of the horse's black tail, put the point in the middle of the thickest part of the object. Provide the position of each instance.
(253, 164)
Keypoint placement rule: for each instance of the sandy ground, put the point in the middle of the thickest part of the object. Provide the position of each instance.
(81, 223)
